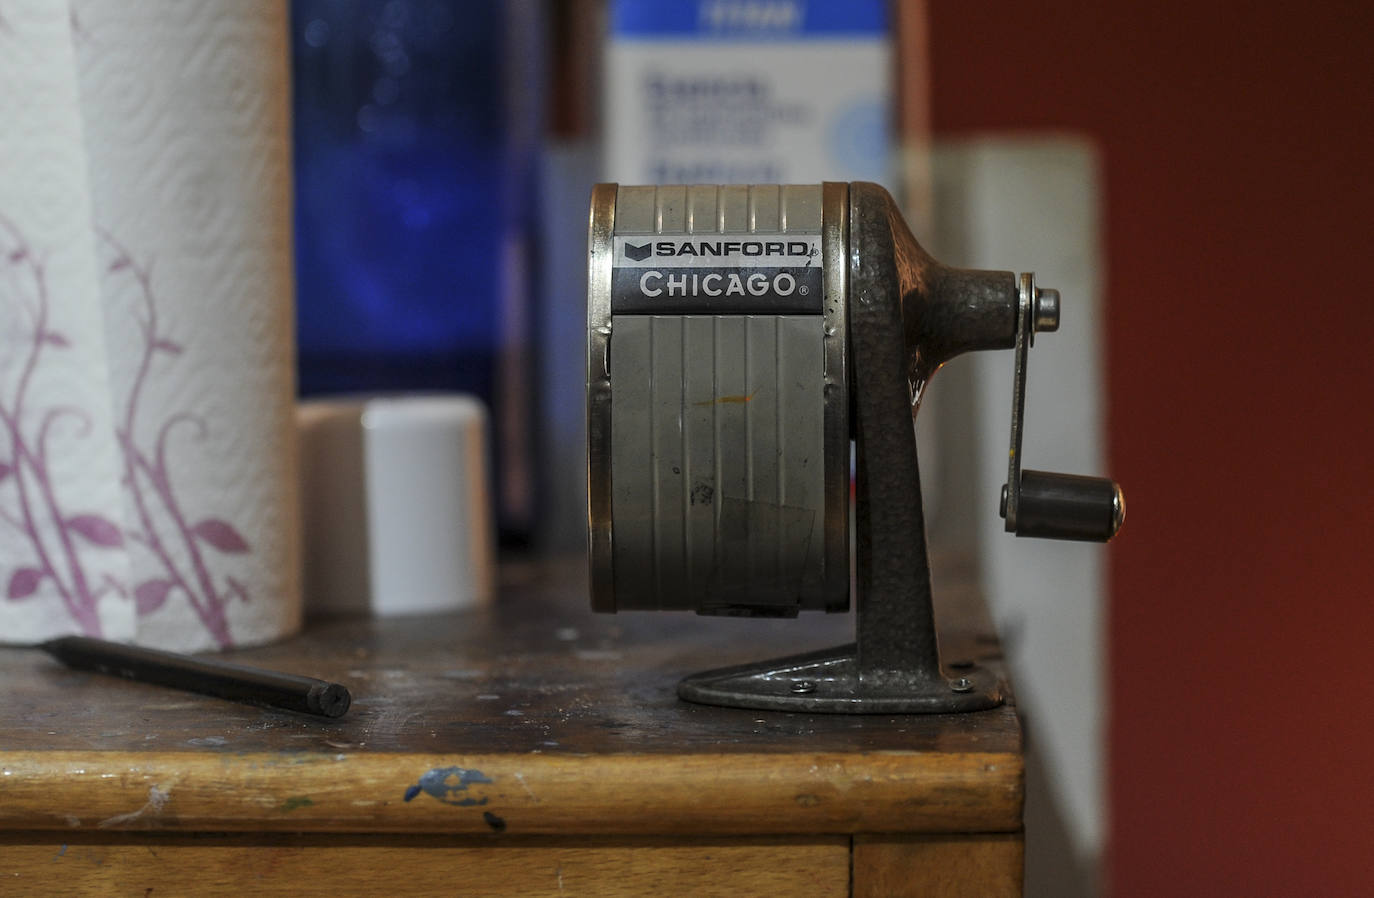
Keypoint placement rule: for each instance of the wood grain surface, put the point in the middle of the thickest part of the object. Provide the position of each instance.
(90, 865)
(534, 712)
(950, 866)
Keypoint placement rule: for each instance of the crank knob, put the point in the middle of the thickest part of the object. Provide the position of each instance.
(1067, 506)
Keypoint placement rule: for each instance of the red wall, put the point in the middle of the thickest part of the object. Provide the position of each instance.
(1237, 144)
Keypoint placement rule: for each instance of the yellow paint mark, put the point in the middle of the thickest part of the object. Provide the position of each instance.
(729, 400)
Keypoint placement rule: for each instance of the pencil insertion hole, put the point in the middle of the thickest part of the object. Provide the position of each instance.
(329, 699)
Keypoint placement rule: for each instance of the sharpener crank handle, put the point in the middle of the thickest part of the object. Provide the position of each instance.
(1040, 503)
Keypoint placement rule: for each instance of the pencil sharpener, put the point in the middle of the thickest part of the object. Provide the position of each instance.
(740, 341)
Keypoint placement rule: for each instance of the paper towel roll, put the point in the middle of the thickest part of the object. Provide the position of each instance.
(62, 564)
(183, 120)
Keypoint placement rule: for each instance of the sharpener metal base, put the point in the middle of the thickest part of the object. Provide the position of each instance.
(830, 681)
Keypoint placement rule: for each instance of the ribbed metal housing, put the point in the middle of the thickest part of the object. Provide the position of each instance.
(718, 454)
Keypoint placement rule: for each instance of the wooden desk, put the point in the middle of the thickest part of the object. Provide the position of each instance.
(532, 749)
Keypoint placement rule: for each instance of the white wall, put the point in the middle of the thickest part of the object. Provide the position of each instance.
(1033, 205)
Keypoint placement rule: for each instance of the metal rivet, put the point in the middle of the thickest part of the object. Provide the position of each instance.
(963, 684)
(1046, 310)
(801, 687)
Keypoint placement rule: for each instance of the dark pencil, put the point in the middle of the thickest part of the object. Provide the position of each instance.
(221, 679)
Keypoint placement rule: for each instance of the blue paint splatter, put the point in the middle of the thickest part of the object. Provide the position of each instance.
(444, 784)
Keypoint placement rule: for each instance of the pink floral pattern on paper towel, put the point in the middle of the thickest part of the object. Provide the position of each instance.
(28, 496)
(179, 540)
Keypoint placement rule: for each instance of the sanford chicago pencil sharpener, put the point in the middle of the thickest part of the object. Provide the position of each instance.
(738, 339)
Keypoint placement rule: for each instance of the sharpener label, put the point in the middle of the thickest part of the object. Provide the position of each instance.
(717, 274)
